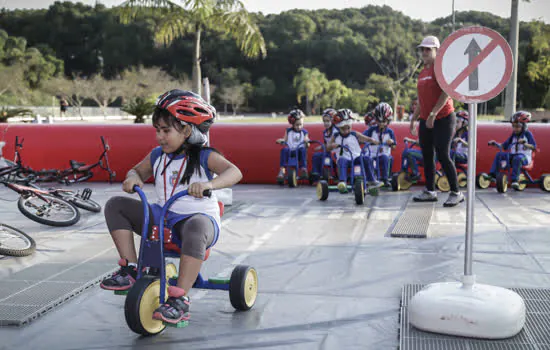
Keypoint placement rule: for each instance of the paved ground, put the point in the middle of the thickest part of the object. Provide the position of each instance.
(330, 275)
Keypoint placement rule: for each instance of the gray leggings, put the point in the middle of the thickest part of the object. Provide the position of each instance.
(196, 232)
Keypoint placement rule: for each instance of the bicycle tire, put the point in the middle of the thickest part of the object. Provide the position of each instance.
(86, 204)
(57, 223)
(28, 250)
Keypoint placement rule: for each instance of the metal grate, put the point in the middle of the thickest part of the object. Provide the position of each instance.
(535, 333)
(413, 222)
(38, 289)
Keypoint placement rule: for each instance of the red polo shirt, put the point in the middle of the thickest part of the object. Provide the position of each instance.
(428, 94)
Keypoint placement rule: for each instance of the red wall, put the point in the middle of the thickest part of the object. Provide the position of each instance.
(251, 147)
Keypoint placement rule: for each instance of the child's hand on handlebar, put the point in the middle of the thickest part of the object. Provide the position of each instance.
(196, 189)
(279, 141)
(389, 142)
(492, 143)
(132, 180)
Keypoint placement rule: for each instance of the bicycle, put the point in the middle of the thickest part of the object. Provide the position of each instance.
(14, 242)
(39, 205)
(78, 171)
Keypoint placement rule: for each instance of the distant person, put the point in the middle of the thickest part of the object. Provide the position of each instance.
(330, 129)
(63, 106)
(437, 127)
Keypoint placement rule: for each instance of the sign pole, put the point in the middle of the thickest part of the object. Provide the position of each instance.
(472, 147)
(473, 65)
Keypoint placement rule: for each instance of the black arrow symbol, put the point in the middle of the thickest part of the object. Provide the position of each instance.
(473, 50)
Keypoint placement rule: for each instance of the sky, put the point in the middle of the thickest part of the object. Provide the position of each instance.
(426, 10)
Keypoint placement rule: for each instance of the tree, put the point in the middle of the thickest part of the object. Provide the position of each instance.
(538, 69)
(309, 83)
(195, 16)
(334, 92)
(393, 51)
(104, 92)
(233, 95)
(264, 89)
(74, 90)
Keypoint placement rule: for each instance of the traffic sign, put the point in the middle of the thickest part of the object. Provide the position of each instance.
(474, 64)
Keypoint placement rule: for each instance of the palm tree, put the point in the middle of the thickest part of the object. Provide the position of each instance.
(194, 17)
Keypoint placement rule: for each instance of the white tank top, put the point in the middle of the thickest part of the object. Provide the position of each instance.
(187, 204)
(351, 141)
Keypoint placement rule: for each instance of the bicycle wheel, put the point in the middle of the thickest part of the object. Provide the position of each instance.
(14, 242)
(86, 204)
(45, 212)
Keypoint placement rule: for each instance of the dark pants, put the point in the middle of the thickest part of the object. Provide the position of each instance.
(438, 141)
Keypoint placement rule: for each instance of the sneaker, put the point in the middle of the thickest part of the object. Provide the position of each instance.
(375, 184)
(515, 185)
(123, 279)
(175, 309)
(342, 187)
(426, 196)
(387, 183)
(415, 177)
(303, 172)
(454, 199)
(281, 175)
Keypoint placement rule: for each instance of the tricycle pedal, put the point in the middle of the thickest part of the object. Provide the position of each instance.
(121, 292)
(86, 194)
(181, 324)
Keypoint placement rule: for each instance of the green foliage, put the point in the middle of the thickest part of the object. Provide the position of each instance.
(342, 45)
(139, 107)
(7, 113)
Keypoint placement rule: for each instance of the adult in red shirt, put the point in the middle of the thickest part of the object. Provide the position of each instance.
(436, 128)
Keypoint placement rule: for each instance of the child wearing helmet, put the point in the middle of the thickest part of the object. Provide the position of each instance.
(345, 136)
(382, 114)
(521, 145)
(330, 129)
(181, 161)
(460, 152)
(296, 137)
(369, 119)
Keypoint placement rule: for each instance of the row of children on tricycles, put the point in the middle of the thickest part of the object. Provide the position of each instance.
(361, 162)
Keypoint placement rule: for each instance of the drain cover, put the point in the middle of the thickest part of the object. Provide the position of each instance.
(413, 222)
(535, 333)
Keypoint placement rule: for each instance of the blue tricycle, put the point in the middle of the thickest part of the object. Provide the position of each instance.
(154, 275)
(292, 166)
(357, 184)
(504, 173)
(328, 170)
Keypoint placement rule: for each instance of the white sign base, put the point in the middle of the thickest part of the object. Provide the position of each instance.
(467, 309)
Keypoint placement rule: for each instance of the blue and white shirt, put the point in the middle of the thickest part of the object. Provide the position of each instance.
(187, 204)
(294, 138)
(460, 147)
(382, 137)
(349, 140)
(518, 148)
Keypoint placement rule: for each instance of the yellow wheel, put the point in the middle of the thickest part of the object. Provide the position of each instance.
(142, 300)
(502, 182)
(402, 181)
(171, 271)
(522, 181)
(243, 287)
(462, 179)
(443, 184)
(322, 190)
(545, 183)
(483, 181)
(292, 178)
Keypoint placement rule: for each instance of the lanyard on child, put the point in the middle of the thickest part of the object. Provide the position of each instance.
(177, 179)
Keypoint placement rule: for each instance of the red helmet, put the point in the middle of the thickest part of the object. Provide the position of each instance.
(343, 117)
(521, 117)
(465, 116)
(369, 119)
(188, 107)
(294, 115)
(383, 112)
